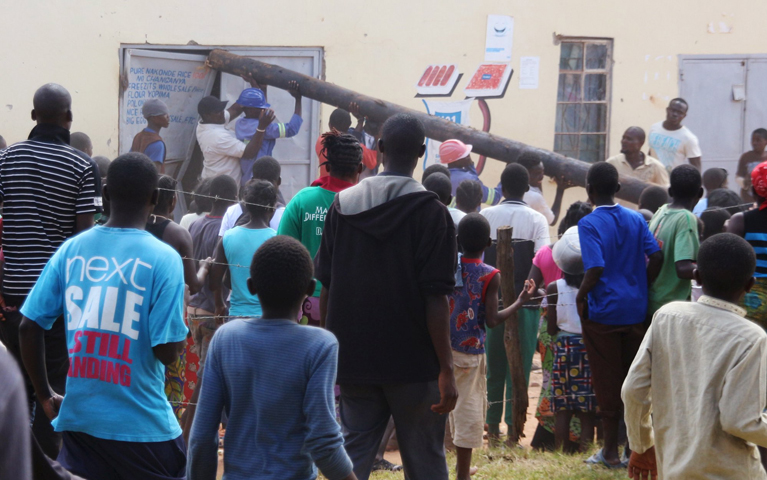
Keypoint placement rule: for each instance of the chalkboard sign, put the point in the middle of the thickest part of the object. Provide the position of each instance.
(179, 80)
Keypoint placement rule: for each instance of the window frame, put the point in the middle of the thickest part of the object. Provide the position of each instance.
(607, 71)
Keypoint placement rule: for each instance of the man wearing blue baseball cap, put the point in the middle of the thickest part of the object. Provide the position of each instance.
(222, 151)
(253, 101)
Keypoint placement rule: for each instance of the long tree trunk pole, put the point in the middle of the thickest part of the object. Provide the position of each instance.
(505, 261)
(492, 146)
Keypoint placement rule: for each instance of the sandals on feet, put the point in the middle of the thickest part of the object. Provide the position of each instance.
(599, 459)
(386, 465)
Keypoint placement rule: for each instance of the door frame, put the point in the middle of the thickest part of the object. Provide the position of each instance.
(317, 52)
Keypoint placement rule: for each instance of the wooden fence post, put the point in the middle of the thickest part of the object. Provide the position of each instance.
(505, 261)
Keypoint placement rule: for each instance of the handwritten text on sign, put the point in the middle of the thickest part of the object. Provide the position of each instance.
(146, 83)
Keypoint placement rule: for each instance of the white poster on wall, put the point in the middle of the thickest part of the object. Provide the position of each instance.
(528, 72)
(499, 38)
(179, 80)
(457, 112)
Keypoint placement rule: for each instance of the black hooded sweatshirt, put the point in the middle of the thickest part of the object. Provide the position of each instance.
(386, 246)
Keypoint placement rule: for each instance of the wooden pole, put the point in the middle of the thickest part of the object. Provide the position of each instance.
(505, 261)
(487, 144)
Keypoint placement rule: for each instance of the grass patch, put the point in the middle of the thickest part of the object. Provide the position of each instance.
(518, 464)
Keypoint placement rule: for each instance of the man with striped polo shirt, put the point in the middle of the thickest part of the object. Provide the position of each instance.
(50, 192)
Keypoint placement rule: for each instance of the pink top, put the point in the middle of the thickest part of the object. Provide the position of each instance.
(544, 260)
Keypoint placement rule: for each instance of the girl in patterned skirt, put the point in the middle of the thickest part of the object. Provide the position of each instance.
(571, 378)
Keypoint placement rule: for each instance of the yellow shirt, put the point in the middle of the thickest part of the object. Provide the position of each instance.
(651, 171)
(696, 390)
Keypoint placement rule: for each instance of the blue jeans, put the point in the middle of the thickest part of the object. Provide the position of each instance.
(365, 411)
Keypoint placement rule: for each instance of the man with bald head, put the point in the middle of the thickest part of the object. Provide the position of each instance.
(632, 162)
(50, 192)
(3, 144)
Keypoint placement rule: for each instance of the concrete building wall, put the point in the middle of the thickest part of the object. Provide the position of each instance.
(379, 48)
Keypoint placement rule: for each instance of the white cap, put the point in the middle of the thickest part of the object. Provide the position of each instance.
(567, 252)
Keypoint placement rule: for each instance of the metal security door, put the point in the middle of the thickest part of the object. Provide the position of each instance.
(756, 99)
(715, 89)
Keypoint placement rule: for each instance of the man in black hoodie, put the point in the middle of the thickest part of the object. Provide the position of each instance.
(387, 263)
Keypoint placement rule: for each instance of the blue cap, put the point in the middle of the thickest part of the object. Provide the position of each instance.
(253, 97)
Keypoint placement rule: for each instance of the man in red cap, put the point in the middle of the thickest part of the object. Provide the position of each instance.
(455, 154)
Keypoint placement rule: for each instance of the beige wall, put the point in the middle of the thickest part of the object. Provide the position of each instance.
(379, 48)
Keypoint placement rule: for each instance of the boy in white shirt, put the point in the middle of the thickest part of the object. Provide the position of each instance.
(698, 385)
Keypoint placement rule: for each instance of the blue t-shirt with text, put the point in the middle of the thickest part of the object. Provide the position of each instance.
(618, 240)
(121, 292)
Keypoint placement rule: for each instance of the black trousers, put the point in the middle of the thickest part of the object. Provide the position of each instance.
(57, 365)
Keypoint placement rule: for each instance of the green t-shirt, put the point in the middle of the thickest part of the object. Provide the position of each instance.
(304, 219)
(676, 231)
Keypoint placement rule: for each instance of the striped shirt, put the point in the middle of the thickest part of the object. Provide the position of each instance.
(44, 185)
(755, 224)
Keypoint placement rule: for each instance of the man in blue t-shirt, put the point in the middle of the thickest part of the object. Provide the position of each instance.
(612, 301)
(121, 293)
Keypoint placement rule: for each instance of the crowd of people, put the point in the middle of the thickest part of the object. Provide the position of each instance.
(141, 345)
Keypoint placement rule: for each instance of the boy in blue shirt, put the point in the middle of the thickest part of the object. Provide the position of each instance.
(612, 300)
(121, 292)
(274, 378)
(253, 101)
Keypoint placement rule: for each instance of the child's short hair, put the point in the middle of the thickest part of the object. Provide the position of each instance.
(403, 137)
(529, 159)
(435, 168)
(167, 186)
(473, 233)
(713, 222)
(515, 180)
(685, 182)
(575, 212)
(725, 264)
(726, 199)
(652, 198)
(223, 188)
(603, 178)
(762, 132)
(340, 119)
(439, 184)
(131, 180)
(281, 271)
(201, 195)
(267, 168)
(714, 178)
(259, 195)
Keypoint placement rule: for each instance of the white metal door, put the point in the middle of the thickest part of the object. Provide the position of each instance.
(756, 99)
(296, 154)
(716, 116)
